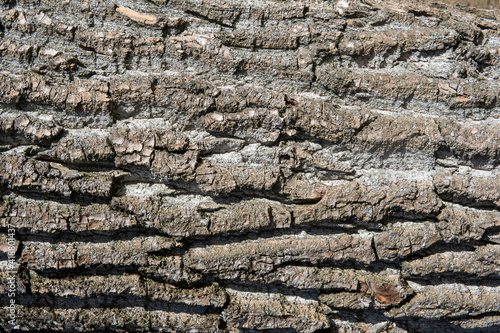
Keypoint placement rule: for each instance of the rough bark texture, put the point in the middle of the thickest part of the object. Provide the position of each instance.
(244, 166)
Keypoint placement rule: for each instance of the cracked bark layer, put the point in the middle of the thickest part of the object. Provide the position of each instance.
(232, 166)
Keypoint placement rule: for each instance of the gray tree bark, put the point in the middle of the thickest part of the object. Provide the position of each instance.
(237, 166)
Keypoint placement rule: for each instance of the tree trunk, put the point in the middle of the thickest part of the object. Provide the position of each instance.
(241, 166)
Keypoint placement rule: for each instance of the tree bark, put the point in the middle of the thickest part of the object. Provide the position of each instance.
(235, 166)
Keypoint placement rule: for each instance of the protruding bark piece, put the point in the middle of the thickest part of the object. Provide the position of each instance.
(136, 16)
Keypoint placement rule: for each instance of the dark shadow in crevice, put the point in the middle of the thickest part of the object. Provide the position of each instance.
(469, 279)
(441, 247)
(205, 18)
(418, 325)
(97, 269)
(465, 201)
(476, 161)
(107, 270)
(412, 324)
(91, 236)
(374, 267)
(493, 231)
(34, 193)
(108, 301)
(85, 166)
(235, 237)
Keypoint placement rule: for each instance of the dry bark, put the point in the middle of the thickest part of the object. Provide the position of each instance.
(235, 166)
